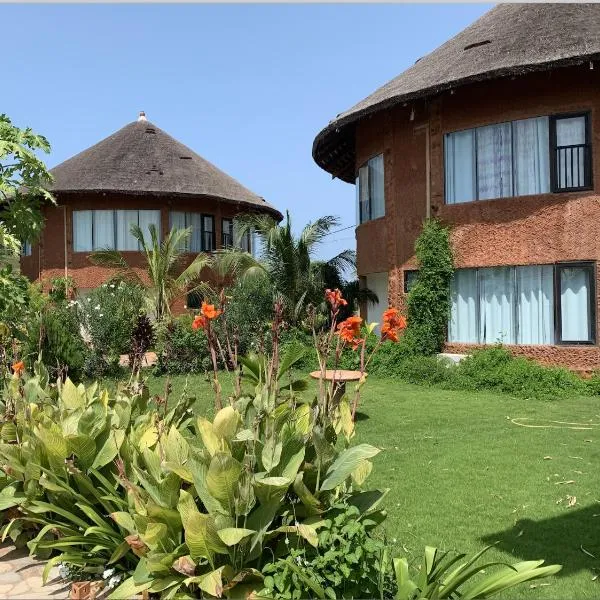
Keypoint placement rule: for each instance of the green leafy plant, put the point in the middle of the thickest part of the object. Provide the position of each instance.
(348, 562)
(444, 575)
(428, 302)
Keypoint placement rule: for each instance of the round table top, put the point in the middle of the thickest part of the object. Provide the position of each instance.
(338, 375)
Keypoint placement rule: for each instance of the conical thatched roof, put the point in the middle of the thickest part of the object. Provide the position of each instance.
(141, 158)
(508, 40)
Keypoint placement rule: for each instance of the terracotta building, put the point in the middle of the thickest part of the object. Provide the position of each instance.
(496, 133)
(138, 175)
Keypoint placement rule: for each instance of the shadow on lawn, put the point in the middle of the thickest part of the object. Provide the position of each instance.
(558, 540)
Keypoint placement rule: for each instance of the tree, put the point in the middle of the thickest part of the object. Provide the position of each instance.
(286, 261)
(24, 179)
(167, 279)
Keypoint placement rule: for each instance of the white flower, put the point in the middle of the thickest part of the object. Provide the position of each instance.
(108, 573)
(89, 299)
(112, 285)
(63, 571)
(114, 581)
(100, 315)
(97, 307)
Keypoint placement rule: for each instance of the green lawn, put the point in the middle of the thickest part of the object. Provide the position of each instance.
(462, 476)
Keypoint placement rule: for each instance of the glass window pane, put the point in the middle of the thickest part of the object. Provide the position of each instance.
(463, 313)
(194, 221)
(208, 233)
(531, 157)
(496, 305)
(125, 219)
(82, 230)
(460, 166)
(363, 190)
(575, 287)
(376, 183)
(494, 161)
(570, 152)
(357, 192)
(177, 220)
(535, 310)
(227, 232)
(147, 218)
(104, 229)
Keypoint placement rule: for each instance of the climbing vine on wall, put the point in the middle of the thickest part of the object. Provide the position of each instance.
(428, 302)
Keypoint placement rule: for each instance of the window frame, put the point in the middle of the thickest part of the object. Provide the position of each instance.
(366, 163)
(557, 308)
(204, 231)
(581, 264)
(229, 232)
(587, 158)
(406, 275)
(554, 189)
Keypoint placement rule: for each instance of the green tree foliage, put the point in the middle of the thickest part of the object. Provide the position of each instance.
(286, 261)
(167, 276)
(23, 185)
(428, 301)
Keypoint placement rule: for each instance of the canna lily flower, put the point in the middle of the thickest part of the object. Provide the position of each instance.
(335, 298)
(199, 322)
(18, 368)
(209, 311)
(349, 331)
(393, 322)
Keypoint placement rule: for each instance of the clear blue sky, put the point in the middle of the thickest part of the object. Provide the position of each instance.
(246, 86)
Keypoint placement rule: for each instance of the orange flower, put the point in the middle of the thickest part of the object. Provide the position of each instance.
(18, 368)
(393, 322)
(209, 311)
(349, 331)
(335, 298)
(199, 322)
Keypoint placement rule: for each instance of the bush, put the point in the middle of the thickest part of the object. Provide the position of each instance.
(180, 349)
(109, 315)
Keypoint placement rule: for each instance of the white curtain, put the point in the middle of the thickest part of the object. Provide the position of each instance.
(494, 161)
(535, 310)
(569, 132)
(82, 230)
(463, 312)
(496, 305)
(194, 220)
(208, 232)
(460, 166)
(147, 218)
(378, 283)
(125, 219)
(531, 156)
(104, 229)
(363, 193)
(376, 183)
(575, 304)
(177, 221)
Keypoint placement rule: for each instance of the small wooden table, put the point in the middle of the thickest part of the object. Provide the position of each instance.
(340, 377)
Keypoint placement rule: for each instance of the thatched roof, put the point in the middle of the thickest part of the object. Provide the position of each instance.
(141, 158)
(510, 39)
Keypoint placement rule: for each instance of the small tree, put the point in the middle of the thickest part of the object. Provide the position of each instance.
(23, 186)
(166, 278)
(428, 302)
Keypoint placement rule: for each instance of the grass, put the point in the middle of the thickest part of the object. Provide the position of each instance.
(463, 475)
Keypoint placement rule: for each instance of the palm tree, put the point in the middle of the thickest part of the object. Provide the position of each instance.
(286, 261)
(167, 279)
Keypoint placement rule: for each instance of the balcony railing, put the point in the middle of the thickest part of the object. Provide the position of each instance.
(573, 167)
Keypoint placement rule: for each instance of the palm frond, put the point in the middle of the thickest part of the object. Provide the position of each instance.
(314, 232)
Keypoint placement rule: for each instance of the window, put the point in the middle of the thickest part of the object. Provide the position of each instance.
(111, 229)
(571, 153)
(370, 191)
(227, 233)
(409, 279)
(539, 304)
(194, 300)
(246, 242)
(26, 249)
(203, 227)
(498, 161)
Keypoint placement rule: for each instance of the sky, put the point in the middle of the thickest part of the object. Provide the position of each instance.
(248, 87)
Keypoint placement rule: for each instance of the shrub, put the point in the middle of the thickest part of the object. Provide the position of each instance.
(179, 348)
(428, 302)
(109, 315)
(349, 562)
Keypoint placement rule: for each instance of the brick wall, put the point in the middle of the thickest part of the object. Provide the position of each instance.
(509, 231)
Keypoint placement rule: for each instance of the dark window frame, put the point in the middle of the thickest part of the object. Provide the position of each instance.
(228, 233)
(408, 274)
(557, 311)
(583, 264)
(207, 247)
(369, 186)
(588, 175)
